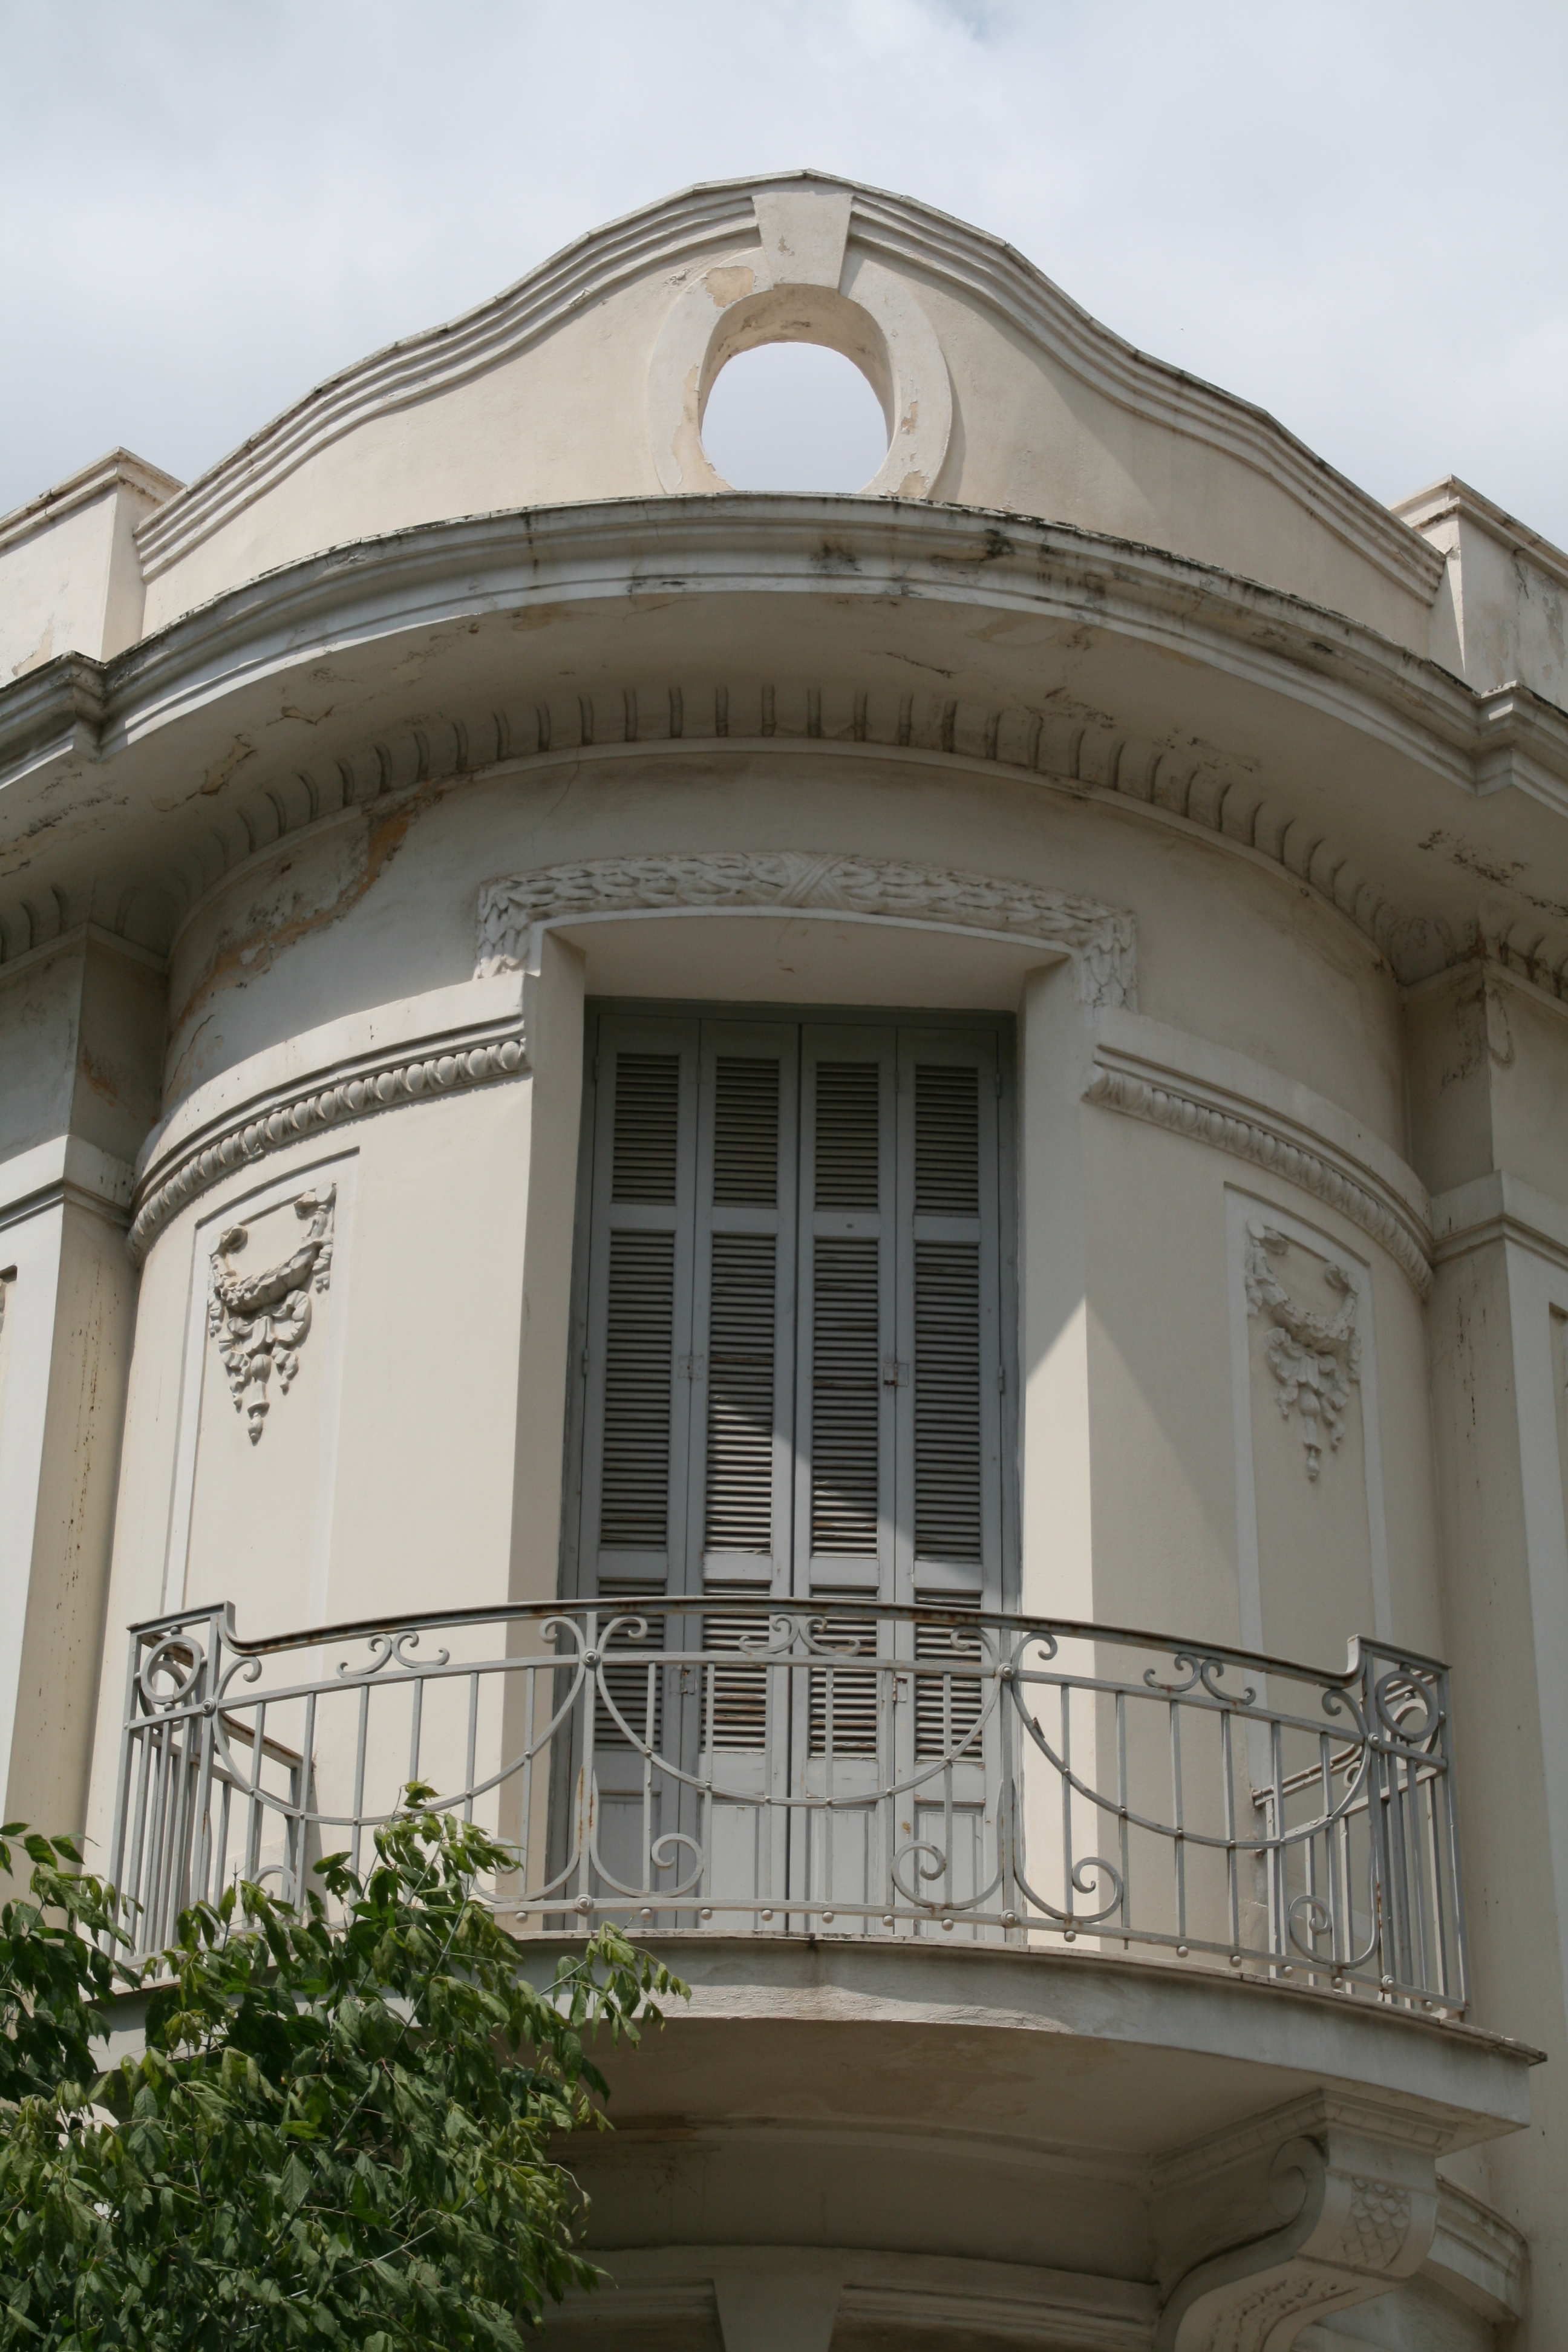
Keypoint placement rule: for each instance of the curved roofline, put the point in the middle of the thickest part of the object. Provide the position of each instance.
(714, 215)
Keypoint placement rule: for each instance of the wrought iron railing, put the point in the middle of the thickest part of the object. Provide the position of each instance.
(845, 1767)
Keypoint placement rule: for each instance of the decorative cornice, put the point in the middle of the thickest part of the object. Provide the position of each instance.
(121, 469)
(1099, 938)
(1187, 1106)
(68, 1169)
(1442, 501)
(149, 863)
(326, 1100)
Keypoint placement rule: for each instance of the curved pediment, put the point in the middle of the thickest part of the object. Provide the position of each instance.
(587, 381)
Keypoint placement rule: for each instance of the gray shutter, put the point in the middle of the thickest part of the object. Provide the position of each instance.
(949, 1418)
(847, 1371)
(640, 1305)
(744, 1314)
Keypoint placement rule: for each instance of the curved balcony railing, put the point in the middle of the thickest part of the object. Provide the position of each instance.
(840, 1767)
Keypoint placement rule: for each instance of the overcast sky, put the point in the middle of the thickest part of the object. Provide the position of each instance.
(1356, 215)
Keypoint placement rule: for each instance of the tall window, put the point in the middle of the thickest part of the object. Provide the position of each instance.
(791, 1297)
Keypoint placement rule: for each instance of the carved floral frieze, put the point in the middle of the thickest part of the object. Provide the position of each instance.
(261, 1321)
(1099, 938)
(1315, 1358)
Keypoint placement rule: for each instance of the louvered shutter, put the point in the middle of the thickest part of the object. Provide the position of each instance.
(636, 1437)
(949, 1445)
(846, 1369)
(743, 1321)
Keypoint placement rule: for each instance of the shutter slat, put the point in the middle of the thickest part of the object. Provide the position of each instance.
(848, 1135)
(647, 1127)
(948, 1706)
(739, 1693)
(947, 1139)
(844, 1698)
(634, 1492)
(741, 1382)
(745, 1130)
(947, 1401)
(845, 1397)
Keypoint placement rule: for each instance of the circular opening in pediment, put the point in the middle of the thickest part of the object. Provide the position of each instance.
(793, 416)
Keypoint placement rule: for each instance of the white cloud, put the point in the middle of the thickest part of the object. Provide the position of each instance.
(1353, 215)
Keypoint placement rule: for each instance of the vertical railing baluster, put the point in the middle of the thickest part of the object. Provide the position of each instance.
(130, 1750)
(1122, 1807)
(707, 1671)
(415, 1723)
(529, 1685)
(258, 1759)
(587, 1775)
(949, 1893)
(1279, 1887)
(299, 1844)
(1068, 1890)
(471, 1750)
(1179, 1819)
(361, 1742)
(136, 1886)
(1232, 1860)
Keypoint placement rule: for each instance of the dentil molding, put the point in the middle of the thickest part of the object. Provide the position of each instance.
(327, 1099)
(1101, 939)
(1188, 1104)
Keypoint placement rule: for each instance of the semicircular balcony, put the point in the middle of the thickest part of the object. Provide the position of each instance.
(1043, 1975)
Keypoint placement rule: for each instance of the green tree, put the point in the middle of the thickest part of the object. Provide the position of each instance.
(339, 2131)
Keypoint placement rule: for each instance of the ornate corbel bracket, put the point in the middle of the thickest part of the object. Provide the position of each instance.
(261, 1322)
(1314, 1358)
(1361, 2213)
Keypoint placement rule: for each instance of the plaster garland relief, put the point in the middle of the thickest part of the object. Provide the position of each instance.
(1315, 1358)
(1101, 939)
(261, 1322)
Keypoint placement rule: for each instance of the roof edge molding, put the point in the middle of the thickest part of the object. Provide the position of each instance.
(120, 467)
(702, 223)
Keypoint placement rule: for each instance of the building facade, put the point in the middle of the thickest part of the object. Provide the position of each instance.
(816, 1197)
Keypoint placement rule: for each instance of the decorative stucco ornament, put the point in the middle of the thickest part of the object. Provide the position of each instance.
(1314, 1358)
(1101, 939)
(260, 1321)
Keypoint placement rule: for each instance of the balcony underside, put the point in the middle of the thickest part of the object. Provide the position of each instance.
(976, 2145)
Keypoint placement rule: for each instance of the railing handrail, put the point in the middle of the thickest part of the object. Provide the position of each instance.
(359, 1629)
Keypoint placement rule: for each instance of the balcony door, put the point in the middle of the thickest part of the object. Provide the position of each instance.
(791, 1288)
